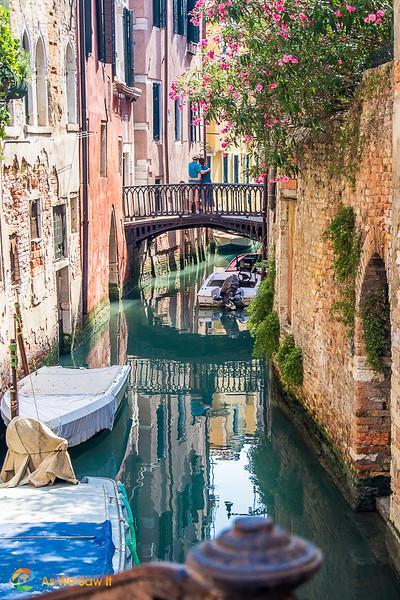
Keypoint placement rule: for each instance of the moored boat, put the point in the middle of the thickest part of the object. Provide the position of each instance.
(57, 532)
(243, 290)
(74, 403)
(225, 241)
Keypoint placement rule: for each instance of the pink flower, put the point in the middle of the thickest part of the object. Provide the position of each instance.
(338, 13)
(259, 87)
(217, 39)
(302, 16)
(370, 19)
(340, 62)
(279, 6)
(350, 8)
(378, 21)
(224, 145)
(211, 54)
(273, 86)
(276, 17)
(203, 43)
(380, 13)
(247, 138)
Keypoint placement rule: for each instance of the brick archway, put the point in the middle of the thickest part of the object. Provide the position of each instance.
(371, 452)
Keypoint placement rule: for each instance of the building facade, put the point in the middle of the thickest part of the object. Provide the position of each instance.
(40, 211)
(107, 92)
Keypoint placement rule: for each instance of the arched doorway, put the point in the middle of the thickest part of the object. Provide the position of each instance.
(372, 374)
(113, 272)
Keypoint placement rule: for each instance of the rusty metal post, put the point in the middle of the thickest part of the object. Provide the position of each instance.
(14, 407)
(254, 559)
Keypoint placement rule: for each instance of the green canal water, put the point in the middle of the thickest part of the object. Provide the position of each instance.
(201, 438)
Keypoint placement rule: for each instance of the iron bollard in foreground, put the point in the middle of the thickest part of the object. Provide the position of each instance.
(252, 560)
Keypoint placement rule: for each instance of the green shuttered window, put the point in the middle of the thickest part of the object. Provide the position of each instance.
(193, 32)
(129, 48)
(180, 17)
(156, 111)
(159, 13)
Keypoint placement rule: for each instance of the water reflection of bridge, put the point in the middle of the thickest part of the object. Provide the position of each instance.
(152, 376)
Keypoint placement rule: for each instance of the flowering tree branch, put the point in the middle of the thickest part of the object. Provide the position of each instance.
(275, 72)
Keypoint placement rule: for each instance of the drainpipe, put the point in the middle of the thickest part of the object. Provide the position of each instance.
(166, 96)
(84, 160)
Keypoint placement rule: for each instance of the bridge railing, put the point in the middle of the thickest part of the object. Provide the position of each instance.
(177, 200)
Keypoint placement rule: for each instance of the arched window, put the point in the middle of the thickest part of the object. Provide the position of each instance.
(41, 83)
(70, 82)
(28, 99)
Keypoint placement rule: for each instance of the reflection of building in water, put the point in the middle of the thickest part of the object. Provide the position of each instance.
(109, 342)
(233, 419)
(172, 506)
(219, 322)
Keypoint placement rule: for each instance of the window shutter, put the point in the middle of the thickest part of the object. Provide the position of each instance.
(156, 13)
(156, 111)
(163, 13)
(184, 17)
(176, 16)
(193, 32)
(88, 27)
(100, 29)
(129, 47)
(109, 32)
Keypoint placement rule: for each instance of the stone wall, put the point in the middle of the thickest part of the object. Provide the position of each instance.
(40, 167)
(350, 404)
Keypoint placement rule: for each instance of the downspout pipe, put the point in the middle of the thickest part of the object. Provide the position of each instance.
(84, 160)
(166, 96)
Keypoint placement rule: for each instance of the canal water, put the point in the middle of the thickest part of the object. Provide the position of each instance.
(201, 438)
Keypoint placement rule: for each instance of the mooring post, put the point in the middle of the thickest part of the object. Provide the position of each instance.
(254, 559)
(14, 407)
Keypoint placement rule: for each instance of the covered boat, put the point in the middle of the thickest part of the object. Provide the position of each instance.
(54, 536)
(225, 241)
(74, 403)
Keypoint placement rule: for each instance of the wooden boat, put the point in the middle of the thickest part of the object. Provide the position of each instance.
(74, 403)
(63, 535)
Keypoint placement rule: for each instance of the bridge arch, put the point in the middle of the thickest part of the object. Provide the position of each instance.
(371, 433)
(155, 209)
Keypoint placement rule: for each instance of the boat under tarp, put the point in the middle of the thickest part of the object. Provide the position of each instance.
(74, 403)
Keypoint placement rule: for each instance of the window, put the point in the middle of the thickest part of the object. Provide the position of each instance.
(129, 55)
(103, 149)
(88, 27)
(247, 168)
(193, 31)
(225, 168)
(194, 123)
(105, 23)
(41, 84)
(34, 217)
(70, 82)
(156, 111)
(159, 13)
(236, 169)
(180, 17)
(178, 121)
(28, 99)
(59, 228)
(14, 262)
(74, 213)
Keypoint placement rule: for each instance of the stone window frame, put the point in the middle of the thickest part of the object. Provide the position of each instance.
(39, 219)
(71, 100)
(29, 101)
(74, 212)
(41, 83)
(15, 272)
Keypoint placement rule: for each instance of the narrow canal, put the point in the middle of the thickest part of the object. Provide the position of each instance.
(201, 438)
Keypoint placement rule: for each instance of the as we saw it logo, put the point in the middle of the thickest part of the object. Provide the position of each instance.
(19, 580)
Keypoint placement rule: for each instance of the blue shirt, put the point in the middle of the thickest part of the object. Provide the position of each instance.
(194, 170)
(206, 178)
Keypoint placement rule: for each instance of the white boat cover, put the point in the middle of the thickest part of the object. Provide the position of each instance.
(74, 403)
(35, 455)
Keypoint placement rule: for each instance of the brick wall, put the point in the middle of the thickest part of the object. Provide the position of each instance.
(348, 401)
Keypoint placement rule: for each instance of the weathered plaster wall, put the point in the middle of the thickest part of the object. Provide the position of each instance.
(40, 162)
(340, 392)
